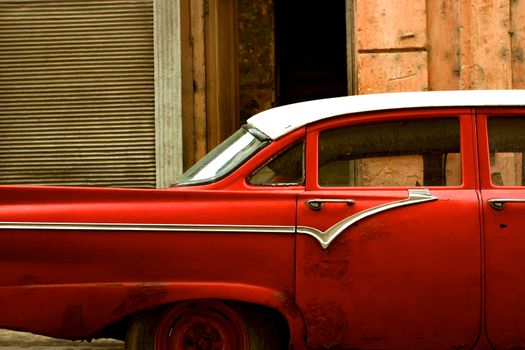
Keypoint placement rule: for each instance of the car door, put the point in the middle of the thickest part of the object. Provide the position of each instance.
(388, 247)
(501, 134)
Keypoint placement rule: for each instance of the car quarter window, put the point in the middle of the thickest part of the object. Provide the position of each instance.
(507, 145)
(418, 152)
(285, 169)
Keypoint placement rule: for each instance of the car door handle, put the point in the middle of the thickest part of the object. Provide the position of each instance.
(499, 203)
(317, 203)
(325, 238)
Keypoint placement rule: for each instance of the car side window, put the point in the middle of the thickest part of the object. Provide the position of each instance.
(285, 169)
(507, 145)
(419, 152)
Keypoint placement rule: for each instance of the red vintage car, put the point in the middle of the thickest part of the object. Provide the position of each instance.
(392, 221)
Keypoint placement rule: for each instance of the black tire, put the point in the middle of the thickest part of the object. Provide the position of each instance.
(228, 325)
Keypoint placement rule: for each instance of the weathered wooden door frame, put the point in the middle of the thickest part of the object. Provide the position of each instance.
(210, 83)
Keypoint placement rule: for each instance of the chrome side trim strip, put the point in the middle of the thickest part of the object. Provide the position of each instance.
(325, 238)
(499, 203)
(144, 227)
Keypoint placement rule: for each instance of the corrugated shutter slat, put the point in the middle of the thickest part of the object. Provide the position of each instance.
(77, 93)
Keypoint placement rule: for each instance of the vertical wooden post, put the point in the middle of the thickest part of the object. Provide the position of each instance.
(168, 121)
(210, 74)
(198, 12)
(222, 82)
(186, 42)
(350, 47)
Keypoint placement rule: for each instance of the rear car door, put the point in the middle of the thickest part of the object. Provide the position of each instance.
(501, 134)
(388, 250)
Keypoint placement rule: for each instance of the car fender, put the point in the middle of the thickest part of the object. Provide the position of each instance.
(85, 314)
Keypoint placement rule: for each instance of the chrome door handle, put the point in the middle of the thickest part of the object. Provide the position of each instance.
(317, 204)
(499, 203)
(415, 196)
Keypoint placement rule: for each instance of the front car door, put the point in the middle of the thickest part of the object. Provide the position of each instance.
(501, 134)
(388, 250)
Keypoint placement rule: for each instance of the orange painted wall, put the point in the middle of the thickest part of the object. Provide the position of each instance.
(417, 45)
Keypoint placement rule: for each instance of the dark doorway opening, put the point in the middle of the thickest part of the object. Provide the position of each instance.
(311, 50)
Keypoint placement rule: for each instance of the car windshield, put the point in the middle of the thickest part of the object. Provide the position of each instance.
(226, 157)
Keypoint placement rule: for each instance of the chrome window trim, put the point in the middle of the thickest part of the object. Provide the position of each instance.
(275, 156)
(263, 139)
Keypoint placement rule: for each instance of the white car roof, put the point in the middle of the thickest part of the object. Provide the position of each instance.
(279, 121)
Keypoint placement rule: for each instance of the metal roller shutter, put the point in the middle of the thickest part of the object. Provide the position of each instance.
(77, 93)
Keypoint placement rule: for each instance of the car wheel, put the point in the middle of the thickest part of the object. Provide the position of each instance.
(202, 325)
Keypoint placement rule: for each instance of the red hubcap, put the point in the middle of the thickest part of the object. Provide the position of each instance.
(201, 326)
(202, 336)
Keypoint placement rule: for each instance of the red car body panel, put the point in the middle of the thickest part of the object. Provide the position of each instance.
(504, 247)
(391, 280)
(447, 273)
(72, 283)
(107, 271)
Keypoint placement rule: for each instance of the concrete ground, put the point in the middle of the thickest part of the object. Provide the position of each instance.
(10, 340)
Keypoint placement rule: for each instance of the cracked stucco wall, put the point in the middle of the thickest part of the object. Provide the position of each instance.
(417, 45)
